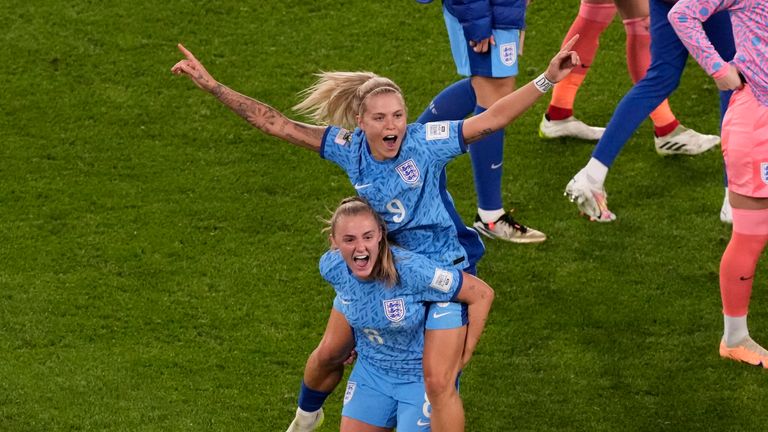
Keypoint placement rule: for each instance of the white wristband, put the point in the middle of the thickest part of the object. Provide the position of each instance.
(542, 83)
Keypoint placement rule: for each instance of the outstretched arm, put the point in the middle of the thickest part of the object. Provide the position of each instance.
(478, 296)
(258, 114)
(510, 107)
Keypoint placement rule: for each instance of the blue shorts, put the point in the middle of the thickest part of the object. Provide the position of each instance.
(384, 401)
(445, 316)
(499, 62)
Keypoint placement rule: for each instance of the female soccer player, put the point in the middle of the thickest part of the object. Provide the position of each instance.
(399, 168)
(486, 40)
(745, 149)
(668, 56)
(381, 292)
(593, 18)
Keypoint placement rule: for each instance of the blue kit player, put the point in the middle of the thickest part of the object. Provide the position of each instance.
(486, 41)
(399, 168)
(383, 293)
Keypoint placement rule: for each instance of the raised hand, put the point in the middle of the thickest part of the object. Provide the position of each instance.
(192, 68)
(563, 62)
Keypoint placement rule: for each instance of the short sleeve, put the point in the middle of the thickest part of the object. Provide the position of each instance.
(444, 140)
(337, 147)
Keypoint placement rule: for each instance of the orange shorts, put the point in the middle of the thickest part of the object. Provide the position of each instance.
(745, 144)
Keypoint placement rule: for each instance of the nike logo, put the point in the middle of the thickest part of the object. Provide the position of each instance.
(496, 166)
(419, 422)
(438, 315)
(346, 302)
(359, 186)
(746, 278)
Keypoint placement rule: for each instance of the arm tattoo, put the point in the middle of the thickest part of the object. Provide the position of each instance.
(479, 135)
(268, 119)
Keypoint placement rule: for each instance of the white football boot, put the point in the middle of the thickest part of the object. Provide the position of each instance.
(684, 141)
(306, 422)
(591, 199)
(570, 127)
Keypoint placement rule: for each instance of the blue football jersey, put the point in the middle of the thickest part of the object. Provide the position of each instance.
(406, 190)
(388, 322)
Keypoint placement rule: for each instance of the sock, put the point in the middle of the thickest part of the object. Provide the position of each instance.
(589, 24)
(596, 172)
(668, 128)
(487, 156)
(735, 330)
(737, 266)
(638, 61)
(489, 216)
(455, 102)
(311, 400)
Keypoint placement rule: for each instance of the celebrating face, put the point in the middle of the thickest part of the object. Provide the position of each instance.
(384, 122)
(357, 237)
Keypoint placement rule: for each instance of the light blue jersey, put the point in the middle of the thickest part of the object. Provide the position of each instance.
(408, 190)
(388, 322)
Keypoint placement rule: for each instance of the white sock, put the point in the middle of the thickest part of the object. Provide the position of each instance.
(489, 216)
(596, 172)
(735, 329)
(307, 414)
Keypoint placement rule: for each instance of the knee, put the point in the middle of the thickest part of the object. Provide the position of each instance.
(439, 385)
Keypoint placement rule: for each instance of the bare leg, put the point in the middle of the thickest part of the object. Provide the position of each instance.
(442, 361)
(325, 366)
(352, 425)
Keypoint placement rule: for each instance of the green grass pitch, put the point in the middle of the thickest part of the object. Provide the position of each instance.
(158, 256)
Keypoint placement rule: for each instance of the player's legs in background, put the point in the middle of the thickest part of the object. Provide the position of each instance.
(668, 57)
(323, 372)
(745, 140)
(593, 18)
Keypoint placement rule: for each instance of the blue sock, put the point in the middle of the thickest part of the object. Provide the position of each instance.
(311, 400)
(487, 156)
(455, 102)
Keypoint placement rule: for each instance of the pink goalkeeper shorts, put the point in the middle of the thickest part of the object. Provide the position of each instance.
(745, 144)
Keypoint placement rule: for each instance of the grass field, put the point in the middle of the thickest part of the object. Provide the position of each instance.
(158, 256)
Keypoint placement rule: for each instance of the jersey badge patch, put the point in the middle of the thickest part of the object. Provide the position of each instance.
(394, 309)
(508, 53)
(350, 391)
(342, 138)
(408, 171)
(438, 130)
(442, 280)
(764, 172)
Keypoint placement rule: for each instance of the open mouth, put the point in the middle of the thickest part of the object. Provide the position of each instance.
(390, 140)
(361, 261)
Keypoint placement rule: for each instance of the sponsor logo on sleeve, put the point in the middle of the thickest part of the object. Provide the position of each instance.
(508, 53)
(442, 280)
(343, 137)
(394, 309)
(764, 172)
(408, 171)
(438, 130)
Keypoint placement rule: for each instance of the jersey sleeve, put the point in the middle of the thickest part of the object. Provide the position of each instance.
(443, 140)
(337, 146)
(686, 18)
(427, 280)
(331, 267)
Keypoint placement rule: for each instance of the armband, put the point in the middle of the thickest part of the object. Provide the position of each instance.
(542, 83)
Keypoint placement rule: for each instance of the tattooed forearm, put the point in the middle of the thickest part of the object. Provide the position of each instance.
(479, 135)
(256, 113)
(270, 120)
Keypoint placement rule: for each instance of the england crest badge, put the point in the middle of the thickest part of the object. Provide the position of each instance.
(408, 171)
(764, 172)
(508, 53)
(350, 391)
(394, 309)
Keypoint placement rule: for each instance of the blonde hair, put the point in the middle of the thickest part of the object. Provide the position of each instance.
(384, 268)
(338, 97)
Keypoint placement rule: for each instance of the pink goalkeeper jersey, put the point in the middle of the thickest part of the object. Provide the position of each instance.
(750, 31)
